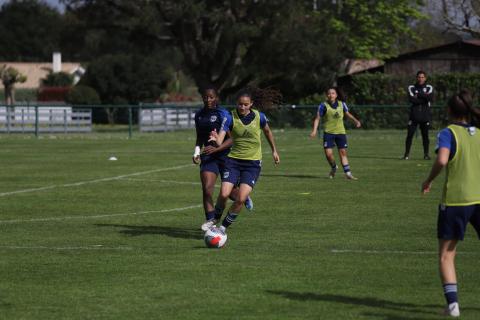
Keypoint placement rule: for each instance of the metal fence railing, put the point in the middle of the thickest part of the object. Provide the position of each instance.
(159, 118)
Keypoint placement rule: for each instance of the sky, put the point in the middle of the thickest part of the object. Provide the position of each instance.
(53, 3)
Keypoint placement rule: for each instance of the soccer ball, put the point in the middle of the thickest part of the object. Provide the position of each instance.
(215, 238)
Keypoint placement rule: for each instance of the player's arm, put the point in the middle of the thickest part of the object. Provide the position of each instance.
(412, 96)
(427, 96)
(350, 116)
(271, 141)
(440, 162)
(316, 123)
(198, 144)
(227, 143)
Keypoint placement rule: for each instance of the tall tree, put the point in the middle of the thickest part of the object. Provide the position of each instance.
(462, 16)
(229, 44)
(29, 30)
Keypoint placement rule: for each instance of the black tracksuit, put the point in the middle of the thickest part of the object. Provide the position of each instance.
(420, 97)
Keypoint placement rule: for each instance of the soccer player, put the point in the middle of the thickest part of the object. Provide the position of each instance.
(245, 157)
(458, 149)
(420, 96)
(333, 111)
(210, 117)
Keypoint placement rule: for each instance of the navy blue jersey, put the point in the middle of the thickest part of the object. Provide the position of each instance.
(228, 126)
(207, 120)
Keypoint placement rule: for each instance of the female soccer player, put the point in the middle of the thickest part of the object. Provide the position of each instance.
(458, 149)
(210, 117)
(333, 110)
(245, 157)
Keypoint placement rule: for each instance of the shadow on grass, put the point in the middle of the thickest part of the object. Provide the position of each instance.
(135, 231)
(297, 176)
(376, 157)
(418, 311)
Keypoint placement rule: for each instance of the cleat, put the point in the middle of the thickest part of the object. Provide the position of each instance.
(331, 175)
(349, 176)
(222, 229)
(405, 157)
(426, 157)
(452, 310)
(208, 224)
(249, 204)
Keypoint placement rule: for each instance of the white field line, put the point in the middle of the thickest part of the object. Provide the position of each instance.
(399, 252)
(165, 181)
(94, 247)
(76, 184)
(98, 216)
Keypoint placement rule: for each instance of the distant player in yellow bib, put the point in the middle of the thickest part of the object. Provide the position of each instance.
(332, 112)
(458, 149)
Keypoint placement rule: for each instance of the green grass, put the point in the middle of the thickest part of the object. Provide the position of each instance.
(80, 251)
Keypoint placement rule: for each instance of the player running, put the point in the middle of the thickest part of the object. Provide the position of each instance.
(210, 117)
(458, 149)
(333, 111)
(244, 160)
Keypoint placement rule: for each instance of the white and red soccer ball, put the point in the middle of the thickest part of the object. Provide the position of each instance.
(215, 238)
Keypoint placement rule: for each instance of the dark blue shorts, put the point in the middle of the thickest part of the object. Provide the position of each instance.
(213, 163)
(331, 140)
(452, 221)
(239, 171)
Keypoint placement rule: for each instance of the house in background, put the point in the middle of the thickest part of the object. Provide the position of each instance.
(455, 57)
(35, 71)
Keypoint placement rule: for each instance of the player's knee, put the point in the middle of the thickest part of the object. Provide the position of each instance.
(224, 194)
(447, 257)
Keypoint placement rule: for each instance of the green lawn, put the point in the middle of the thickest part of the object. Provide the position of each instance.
(87, 238)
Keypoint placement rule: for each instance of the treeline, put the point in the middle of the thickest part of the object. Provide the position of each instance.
(138, 50)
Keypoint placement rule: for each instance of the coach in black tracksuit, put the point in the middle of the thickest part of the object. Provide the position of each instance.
(420, 96)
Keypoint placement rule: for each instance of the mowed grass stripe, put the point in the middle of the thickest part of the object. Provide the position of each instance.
(277, 263)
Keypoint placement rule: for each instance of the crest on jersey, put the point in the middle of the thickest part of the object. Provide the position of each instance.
(213, 118)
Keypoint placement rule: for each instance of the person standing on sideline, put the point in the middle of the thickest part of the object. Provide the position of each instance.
(211, 117)
(420, 96)
(333, 111)
(458, 149)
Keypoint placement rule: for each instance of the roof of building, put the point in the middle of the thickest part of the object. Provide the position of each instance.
(456, 44)
(35, 71)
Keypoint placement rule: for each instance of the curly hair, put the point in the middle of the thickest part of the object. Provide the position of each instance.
(263, 99)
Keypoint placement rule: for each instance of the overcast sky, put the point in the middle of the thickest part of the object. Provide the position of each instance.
(53, 3)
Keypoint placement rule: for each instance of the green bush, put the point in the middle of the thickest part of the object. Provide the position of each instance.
(382, 89)
(82, 95)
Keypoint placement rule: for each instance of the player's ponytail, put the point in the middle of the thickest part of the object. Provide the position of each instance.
(263, 99)
(461, 105)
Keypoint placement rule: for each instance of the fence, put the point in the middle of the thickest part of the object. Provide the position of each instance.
(51, 119)
(165, 119)
(160, 118)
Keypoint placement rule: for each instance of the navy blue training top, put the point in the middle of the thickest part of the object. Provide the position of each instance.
(207, 120)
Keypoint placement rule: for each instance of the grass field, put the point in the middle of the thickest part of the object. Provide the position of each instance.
(87, 238)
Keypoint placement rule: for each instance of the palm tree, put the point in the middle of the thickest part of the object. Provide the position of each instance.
(10, 76)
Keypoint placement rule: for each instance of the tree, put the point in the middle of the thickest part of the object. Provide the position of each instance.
(30, 31)
(57, 79)
(10, 76)
(230, 44)
(124, 79)
(462, 16)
